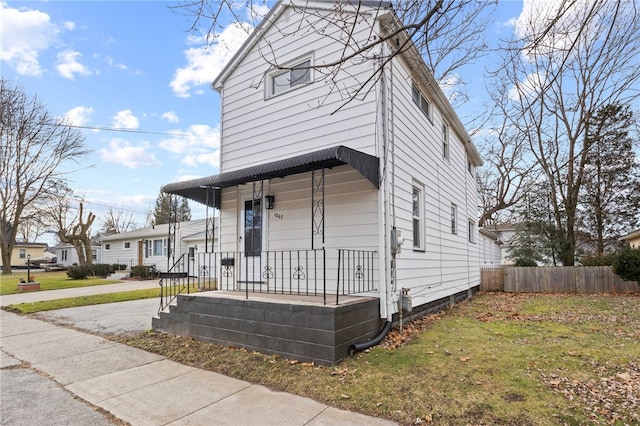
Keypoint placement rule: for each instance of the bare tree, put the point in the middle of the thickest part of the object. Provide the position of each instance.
(117, 221)
(448, 34)
(71, 225)
(568, 63)
(34, 147)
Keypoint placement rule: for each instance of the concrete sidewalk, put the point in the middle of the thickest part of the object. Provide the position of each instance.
(142, 388)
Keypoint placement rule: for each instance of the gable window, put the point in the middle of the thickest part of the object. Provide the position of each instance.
(127, 245)
(454, 214)
(421, 101)
(445, 141)
(418, 227)
(107, 246)
(472, 231)
(283, 80)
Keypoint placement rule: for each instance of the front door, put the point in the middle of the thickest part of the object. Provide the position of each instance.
(251, 244)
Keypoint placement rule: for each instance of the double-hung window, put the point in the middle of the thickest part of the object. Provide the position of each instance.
(421, 101)
(472, 231)
(454, 214)
(445, 141)
(418, 217)
(289, 77)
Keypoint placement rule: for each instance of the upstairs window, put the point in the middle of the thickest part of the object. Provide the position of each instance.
(421, 101)
(296, 74)
(472, 231)
(445, 141)
(107, 246)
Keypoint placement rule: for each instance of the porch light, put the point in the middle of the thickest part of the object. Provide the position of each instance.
(269, 201)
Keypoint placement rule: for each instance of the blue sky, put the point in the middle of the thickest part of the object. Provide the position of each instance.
(132, 66)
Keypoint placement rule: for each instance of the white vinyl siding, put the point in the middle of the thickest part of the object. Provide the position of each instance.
(309, 118)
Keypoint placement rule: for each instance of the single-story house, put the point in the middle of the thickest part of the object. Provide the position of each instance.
(66, 254)
(23, 251)
(632, 238)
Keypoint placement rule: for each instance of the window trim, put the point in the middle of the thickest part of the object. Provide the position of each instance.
(454, 219)
(288, 68)
(418, 220)
(446, 141)
(107, 246)
(127, 245)
(471, 227)
(420, 100)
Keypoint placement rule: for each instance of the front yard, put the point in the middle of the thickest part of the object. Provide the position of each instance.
(496, 359)
(48, 281)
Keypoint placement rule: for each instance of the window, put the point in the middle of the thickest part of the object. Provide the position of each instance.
(445, 140)
(127, 245)
(64, 255)
(94, 255)
(283, 80)
(472, 231)
(421, 101)
(107, 246)
(23, 253)
(470, 167)
(418, 208)
(454, 214)
(159, 247)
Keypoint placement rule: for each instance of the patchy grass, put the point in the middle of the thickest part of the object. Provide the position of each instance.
(48, 281)
(496, 359)
(74, 302)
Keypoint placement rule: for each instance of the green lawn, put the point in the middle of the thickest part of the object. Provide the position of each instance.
(498, 359)
(48, 281)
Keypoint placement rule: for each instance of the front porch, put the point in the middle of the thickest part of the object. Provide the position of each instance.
(294, 326)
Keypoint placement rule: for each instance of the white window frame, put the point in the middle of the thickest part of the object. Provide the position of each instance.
(63, 255)
(454, 219)
(163, 247)
(94, 254)
(288, 71)
(421, 101)
(22, 253)
(127, 245)
(446, 145)
(107, 246)
(472, 231)
(417, 216)
(470, 167)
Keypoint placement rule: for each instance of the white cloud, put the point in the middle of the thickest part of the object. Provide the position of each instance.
(198, 138)
(171, 117)
(68, 65)
(125, 120)
(123, 153)
(204, 62)
(79, 116)
(109, 60)
(210, 158)
(25, 34)
(69, 25)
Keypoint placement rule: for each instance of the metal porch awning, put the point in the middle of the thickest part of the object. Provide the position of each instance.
(200, 189)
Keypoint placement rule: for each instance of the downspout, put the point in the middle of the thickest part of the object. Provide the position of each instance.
(385, 220)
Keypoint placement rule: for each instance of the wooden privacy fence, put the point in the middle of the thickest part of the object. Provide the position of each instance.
(553, 279)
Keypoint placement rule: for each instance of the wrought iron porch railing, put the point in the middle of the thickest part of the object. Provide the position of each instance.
(295, 272)
(177, 280)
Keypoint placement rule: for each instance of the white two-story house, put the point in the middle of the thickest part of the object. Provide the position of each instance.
(373, 196)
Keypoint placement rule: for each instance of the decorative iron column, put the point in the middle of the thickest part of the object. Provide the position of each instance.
(210, 222)
(317, 206)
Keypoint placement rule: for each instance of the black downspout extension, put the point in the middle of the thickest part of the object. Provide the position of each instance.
(358, 347)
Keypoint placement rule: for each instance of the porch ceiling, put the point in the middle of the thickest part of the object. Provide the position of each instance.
(199, 189)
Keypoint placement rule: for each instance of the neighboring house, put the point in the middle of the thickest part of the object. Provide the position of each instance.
(22, 251)
(490, 249)
(633, 238)
(504, 232)
(308, 193)
(66, 254)
(151, 245)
